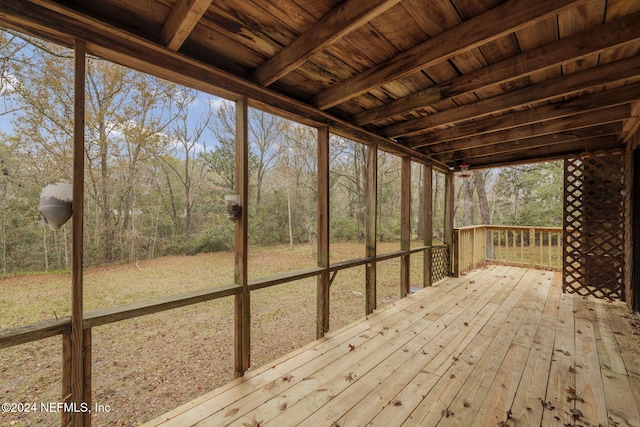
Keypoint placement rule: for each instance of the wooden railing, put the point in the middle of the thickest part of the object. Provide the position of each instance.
(436, 255)
(533, 247)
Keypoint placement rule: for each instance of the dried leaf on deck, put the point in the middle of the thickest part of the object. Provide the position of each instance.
(352, 347)
(547, 405)
(287, 378)
(447, 413)
(253, 423)
(576, 414)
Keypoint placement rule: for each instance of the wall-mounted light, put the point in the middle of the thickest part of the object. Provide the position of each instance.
(464, 170)
(55, 204)
(234, 209)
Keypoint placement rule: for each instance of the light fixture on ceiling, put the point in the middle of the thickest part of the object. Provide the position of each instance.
(464, 170)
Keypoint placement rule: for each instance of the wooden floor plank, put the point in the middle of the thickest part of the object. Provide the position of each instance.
(621, 405)
(608, 351)
(476, 394)
(437, 403)
(392, 332)
(383, 366)
(499, 346)
(561, 375)
(590, 405)
(388, 393)
(497, 405)
(416, 390)
(626, 336)
(526, 409)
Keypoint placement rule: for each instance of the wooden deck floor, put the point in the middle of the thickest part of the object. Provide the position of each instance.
(499, 347)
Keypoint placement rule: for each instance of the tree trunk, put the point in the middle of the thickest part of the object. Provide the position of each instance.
(481, 189)
(290, 221)
(468, 202)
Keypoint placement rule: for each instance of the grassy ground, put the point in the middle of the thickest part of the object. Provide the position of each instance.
(146, 366)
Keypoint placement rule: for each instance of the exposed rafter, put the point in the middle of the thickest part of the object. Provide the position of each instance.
(561, 86)
(593, 40)
(462, 38)
(551, 127)
(525, 144)
(340, 21)
(181, 21)
(547, 152)
(474, 130)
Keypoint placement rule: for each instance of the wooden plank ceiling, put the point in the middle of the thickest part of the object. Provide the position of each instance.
(481, 82)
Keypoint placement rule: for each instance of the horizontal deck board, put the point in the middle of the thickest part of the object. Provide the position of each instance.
(486, 348)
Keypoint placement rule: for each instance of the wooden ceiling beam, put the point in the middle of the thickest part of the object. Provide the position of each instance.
(542, 154)
(181, 21)
(345, 18)
(626, 69)
(525, 144)
(571, 123)
(470, 34)
(579, 105)
(579, 45)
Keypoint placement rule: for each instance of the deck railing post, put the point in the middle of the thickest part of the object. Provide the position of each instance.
(323, 283)
(371, 201)
(532, 247)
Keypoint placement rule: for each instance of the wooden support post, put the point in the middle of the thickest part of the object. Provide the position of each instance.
(427, 187)
(77, 336)
(448, 216)
(87, 375)
(371, 200)
(242, 329)
(474, 253)
(405, 226)
(323, 292)
(65, 417)
(456, 253)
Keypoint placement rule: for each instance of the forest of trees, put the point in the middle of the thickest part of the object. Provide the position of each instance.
(160, 159)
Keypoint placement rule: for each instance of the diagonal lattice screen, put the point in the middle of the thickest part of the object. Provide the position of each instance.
(439, 263)
(593, 254)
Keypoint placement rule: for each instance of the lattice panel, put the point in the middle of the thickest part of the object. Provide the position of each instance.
(439, 263)
(593, 250)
